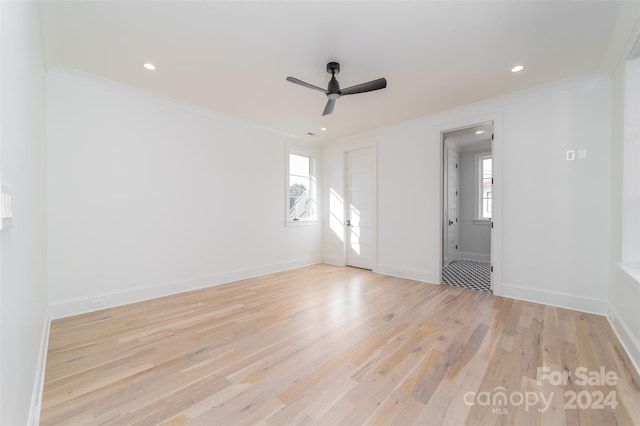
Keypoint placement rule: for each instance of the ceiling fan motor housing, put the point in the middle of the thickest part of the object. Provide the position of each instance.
(333, 89)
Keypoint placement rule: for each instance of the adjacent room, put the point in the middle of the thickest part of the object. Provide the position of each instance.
(319, 212)
(467, 188)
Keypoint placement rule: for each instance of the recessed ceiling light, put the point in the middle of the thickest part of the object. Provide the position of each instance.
(517, 68)
(150, 67)
(479, 132)
(323, 128)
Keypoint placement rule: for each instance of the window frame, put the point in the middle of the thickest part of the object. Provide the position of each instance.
(631, 173)
(313, 179)
(478, 198)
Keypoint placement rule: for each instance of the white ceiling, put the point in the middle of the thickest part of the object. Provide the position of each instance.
(233, 56)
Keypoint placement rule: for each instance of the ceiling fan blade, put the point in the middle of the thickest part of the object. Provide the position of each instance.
(329, 108)
(302, 83)
(378, 84)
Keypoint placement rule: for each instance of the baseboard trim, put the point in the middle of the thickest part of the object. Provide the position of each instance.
(628, 341)
(334, 261)
(66, 308)
(474, 256)
(560, 300)
(38, 383)
(426, 277)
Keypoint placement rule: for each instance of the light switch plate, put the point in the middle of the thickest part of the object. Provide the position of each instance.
(571, 155)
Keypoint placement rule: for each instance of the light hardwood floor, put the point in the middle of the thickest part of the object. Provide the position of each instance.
(329, 345)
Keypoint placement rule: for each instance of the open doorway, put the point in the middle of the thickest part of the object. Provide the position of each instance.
(467, 198)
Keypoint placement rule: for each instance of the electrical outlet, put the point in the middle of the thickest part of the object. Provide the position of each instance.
(5, 207)
(582, 154)
(97, 303)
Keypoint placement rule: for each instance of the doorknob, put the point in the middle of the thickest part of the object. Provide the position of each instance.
(450, 223)
(348, 222)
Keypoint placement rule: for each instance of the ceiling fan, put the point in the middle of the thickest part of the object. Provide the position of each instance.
(333, 91)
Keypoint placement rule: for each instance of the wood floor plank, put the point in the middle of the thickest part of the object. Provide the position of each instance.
(331, 345)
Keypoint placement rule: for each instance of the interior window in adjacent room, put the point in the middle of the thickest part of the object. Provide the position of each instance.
(485, 185)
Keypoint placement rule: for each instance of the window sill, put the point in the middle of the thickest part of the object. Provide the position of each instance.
(482, 221)
(295, 223)
(633, 270)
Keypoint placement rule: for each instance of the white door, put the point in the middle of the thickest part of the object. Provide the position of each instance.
(451, 210)
(359, 172)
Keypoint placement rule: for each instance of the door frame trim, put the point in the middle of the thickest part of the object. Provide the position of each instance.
(496, 233)
(373, 145)
(445, 202)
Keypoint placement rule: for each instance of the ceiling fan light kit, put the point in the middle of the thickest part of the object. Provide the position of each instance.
(333, 91)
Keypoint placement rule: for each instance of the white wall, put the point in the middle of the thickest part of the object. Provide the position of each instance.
(474, 238)
(555, 241)
(409, 193)
(554, 253)
(148, 196)
(23, 292)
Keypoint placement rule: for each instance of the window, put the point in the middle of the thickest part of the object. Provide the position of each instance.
(301, 188)
(485, 187)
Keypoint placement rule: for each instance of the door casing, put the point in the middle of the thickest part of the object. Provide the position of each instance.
(451, 206)
(496, 220)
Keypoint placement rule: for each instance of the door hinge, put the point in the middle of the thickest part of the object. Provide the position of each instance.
(491, 225)
(456, 165)
(456, 220)
(456, 192)
(456, 247)
(491, 136)
(491, 181)
(491, 268)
